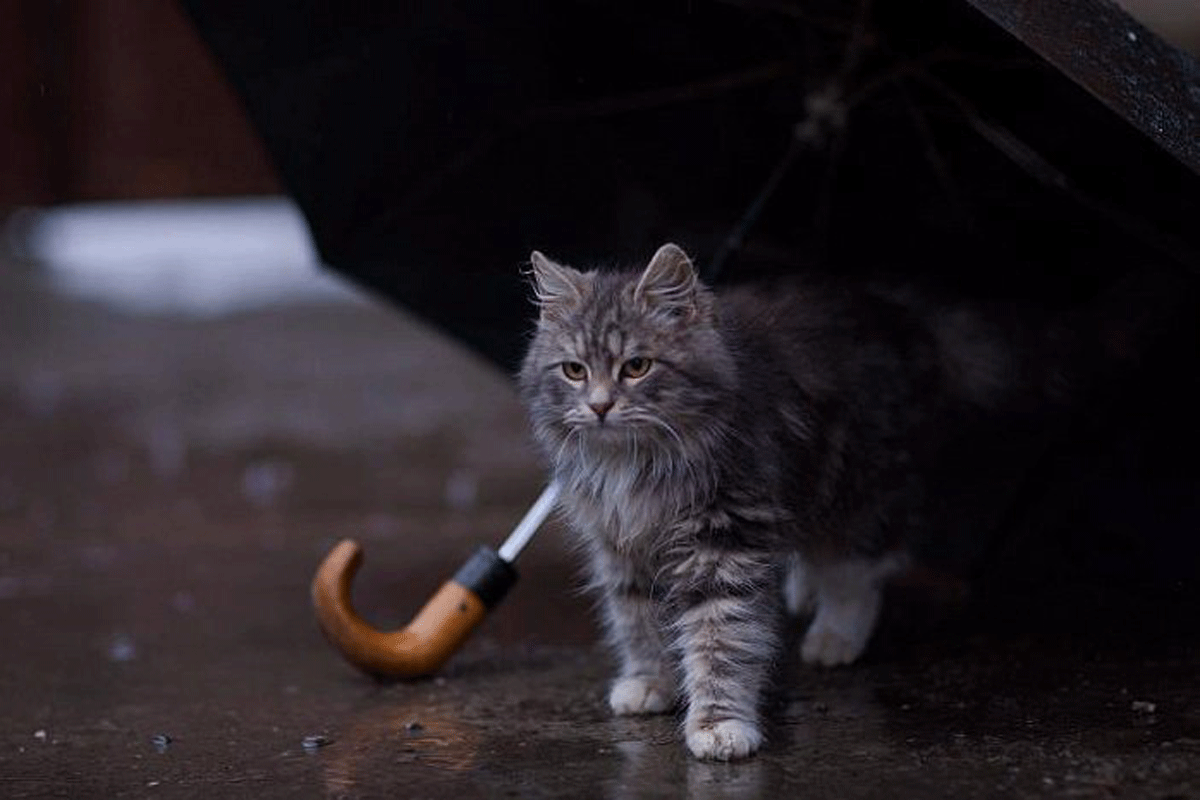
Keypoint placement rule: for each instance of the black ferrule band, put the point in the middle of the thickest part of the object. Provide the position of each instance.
(487, 575)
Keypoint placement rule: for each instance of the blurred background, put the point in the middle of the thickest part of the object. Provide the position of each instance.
(192, 411)
(110, 101)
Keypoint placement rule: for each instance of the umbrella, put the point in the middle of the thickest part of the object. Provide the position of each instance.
(431, 146)
(1004, 148)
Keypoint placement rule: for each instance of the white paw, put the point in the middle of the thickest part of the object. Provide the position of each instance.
(849, 595)
(639, 695)
(829, 648)
(726, 740)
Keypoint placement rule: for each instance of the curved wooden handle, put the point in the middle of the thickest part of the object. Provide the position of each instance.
(420, 648)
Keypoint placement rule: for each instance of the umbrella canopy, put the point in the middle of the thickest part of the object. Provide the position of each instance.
(431, 146)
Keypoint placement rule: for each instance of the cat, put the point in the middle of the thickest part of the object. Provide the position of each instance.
(727, 460)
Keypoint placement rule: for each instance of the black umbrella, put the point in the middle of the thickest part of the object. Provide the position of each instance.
(1006, 148)
(432, 146)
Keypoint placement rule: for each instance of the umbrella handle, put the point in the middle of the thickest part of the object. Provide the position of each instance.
(441, 626)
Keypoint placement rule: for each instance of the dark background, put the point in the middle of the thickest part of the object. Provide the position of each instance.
(108, 100)
(433, 147)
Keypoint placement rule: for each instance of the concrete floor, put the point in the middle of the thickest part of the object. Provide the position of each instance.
(169, 484)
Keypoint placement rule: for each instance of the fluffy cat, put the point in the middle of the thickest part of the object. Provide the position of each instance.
(725, 459)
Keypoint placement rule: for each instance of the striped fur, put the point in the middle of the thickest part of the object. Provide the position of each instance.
(767, 446)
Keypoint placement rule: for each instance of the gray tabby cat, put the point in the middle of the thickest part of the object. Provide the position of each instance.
(725, 459)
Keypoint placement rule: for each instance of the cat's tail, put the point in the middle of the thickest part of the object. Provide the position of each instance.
(1103, 348)
(1118, 388)
(1069, 413)
(1030, 356)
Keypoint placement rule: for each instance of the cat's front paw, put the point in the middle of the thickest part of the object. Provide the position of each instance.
(726, 740)
(639, 695)
(826, 647)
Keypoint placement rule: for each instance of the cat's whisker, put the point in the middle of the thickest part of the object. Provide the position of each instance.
(641, 416)
(579, 447)
(562, 445)
(678, 459)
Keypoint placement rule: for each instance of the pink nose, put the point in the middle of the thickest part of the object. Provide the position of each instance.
(601, 408)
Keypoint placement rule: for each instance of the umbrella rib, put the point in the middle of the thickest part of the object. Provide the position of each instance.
(604, 106)
(736, 237)
(662, 96)
(1037, 166)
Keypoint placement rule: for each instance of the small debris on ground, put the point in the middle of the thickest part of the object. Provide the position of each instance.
(265, 482)
(312, 744)
(122, 649)
(462, 490)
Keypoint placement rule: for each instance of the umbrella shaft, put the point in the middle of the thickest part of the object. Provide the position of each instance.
(528, 525)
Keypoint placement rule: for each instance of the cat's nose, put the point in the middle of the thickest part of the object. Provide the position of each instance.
(601, 408)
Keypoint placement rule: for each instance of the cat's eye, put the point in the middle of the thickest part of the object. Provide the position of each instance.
(574, 370)
(636, 367)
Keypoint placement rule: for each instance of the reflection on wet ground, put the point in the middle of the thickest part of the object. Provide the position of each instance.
(168, 485)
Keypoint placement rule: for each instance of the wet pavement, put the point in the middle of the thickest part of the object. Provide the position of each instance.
(168, 485)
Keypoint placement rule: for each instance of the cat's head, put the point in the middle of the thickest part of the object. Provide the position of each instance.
(624, 359)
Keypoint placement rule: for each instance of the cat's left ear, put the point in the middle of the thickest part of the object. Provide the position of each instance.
(669, 284)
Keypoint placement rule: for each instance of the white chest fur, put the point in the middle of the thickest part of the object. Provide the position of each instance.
(610, 499)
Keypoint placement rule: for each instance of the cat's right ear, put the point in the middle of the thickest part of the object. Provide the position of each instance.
(557, 289)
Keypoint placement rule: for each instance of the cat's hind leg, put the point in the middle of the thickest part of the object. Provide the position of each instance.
(849, 594)
(799, 594)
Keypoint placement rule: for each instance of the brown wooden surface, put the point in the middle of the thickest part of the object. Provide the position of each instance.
(109, 99)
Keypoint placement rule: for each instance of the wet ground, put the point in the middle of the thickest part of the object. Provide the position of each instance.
(168, 484)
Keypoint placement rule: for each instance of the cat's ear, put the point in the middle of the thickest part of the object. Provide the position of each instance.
(669, 284)
(556, 288)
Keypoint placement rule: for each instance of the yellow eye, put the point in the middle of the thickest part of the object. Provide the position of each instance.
(636, 367)
(574, 370)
